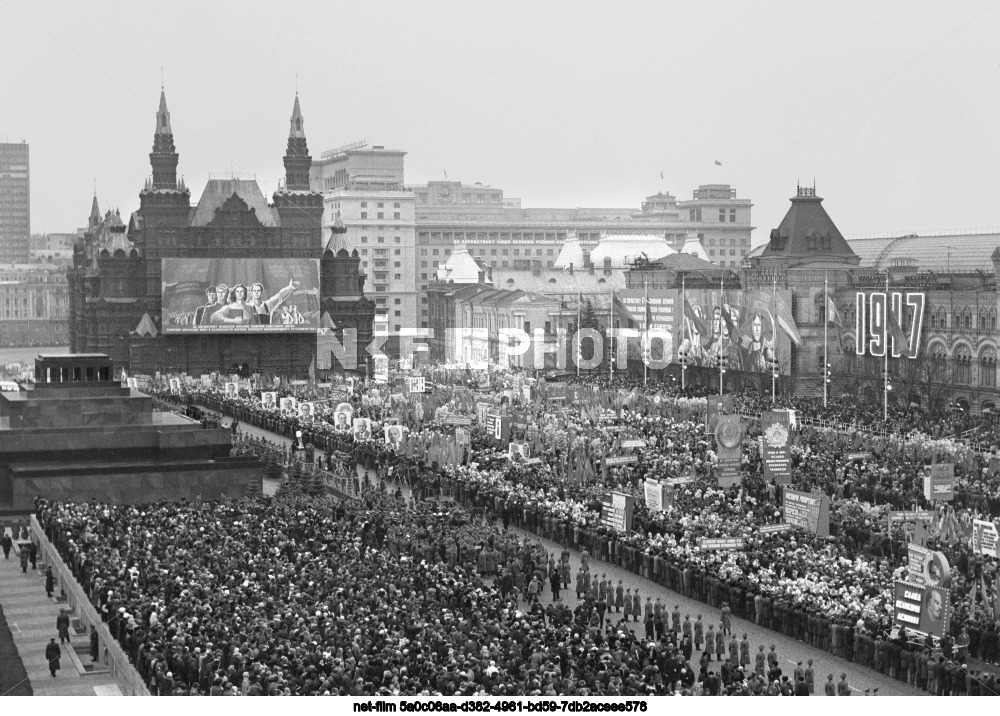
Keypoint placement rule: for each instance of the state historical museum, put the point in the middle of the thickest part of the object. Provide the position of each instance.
(232, 284)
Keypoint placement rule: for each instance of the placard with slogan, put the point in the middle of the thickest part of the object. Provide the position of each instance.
(921, 608)
(417, 384)
(729, 443)
(717, 405)
(616, 511)
(939, 482)
(809, 511)
(776, 452)
(773, 529)
(653, 490)
(628, 444)
(707, 543)
(985, 539)
(619, 460)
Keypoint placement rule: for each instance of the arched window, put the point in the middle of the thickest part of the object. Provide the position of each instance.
(963, 365)
(988, 367)
(933, 321)
(821, 307)
(968, 319)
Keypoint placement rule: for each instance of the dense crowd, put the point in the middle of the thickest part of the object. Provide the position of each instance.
(832, 593)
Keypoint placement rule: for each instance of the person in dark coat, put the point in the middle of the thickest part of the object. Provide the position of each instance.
(24, 559)
(33, 554)
(62, 626)
(52, 654)
(94, 645)
(50, 582)
(801, 688)
(6, 543)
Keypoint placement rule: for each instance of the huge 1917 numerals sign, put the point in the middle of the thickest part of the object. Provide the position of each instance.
(872, 323)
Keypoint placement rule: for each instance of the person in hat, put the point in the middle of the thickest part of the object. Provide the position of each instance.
(62, 626)
(619, 597)
(52, 654)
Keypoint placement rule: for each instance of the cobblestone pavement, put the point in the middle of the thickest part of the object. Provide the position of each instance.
(790, 651)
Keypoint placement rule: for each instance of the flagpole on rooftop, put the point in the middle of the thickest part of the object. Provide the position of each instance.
(612, 338)
(645, 344)
(885, 346)
(826, 322)
(579, 341)
(774, 339)
(683, 356)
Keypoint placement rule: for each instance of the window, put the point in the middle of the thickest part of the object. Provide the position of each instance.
(732, 216)
(722, 215)
(396, 276)
(549, 252)
(503, 264)
(364, 205)
(423, 277)
(435, 252)
(396, 328)
(395, 215)
(396, 301)
(395, 252)
(381, 239)
(396, 264)
(711, 252)
(364, 214)
(423, 264)
(493, 252)
(423, 252)
(364, 252)
(963, 365)
(380, 205)
(395, 240)
(988, 368)
(732, 252)
(364, 239)
(364, 263)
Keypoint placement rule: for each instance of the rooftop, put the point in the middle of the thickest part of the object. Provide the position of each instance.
(941, 254)
(217, 191)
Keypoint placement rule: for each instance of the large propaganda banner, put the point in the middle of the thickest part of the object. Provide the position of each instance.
(229, 295)
(776, 447)
(809, 511)
(748, 327)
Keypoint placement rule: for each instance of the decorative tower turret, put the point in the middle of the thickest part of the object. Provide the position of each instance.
(163, 158)
(300, 209)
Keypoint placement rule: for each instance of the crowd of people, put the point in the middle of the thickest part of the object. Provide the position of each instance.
(469, 586)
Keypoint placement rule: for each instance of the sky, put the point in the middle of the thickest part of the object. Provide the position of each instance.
(890, 107)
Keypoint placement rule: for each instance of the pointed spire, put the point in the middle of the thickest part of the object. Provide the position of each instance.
(297, 129)
(163, 115)
(297, 159)
(95, 212)
(163, 158)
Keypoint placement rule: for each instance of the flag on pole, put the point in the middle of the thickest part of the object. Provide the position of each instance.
(312, 370)
(894, 331)
(698, 322)
(718, 163)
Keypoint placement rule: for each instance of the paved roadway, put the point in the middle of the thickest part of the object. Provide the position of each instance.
(790, 651)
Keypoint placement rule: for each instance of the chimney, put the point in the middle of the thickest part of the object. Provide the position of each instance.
(489, 274)
(590, 268)
(571, 267)
(482, 277)
(607, 264)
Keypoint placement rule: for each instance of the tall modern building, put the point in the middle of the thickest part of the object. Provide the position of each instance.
(363, 191)
(15, 204)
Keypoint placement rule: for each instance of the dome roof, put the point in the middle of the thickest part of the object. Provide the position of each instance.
(460, 267)
(571, 253)
(624, 249)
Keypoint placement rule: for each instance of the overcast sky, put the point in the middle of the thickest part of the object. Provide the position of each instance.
(890, 106)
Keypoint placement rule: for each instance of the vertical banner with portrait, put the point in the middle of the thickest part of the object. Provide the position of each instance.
(289, 406)
(939, 482)
(776, 451)
(305, 410)
(269, 400)
(232, 390)
(362, 429)
(393, 435)
(343, 414)
(729, 443)
(718, 405)
(175, 386)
